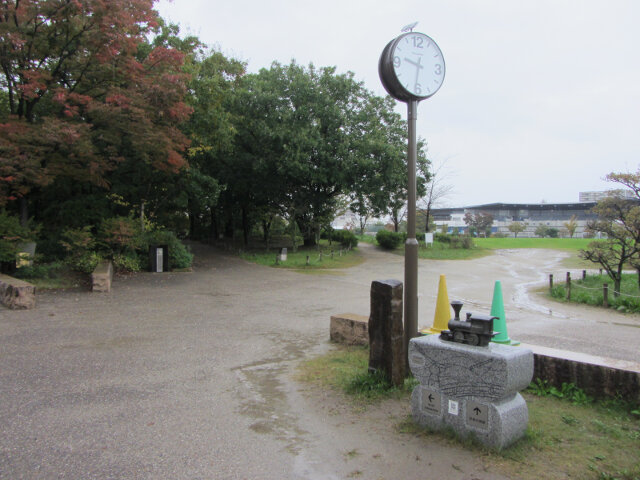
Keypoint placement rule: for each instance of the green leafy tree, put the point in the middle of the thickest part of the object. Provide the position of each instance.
(12, 235)
(619, 220)
(212, 130)
(571, 225)
(479, 222)
(517, 227)
(306, 137)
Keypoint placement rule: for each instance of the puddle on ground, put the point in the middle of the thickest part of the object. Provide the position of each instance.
(263, 389)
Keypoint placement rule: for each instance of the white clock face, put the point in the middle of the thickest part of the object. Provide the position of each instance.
(418, 64)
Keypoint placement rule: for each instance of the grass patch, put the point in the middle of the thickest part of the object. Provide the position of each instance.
(589, 291)
(370, 239)
(326, 257)
(569, 435)
(345, 370)
(52, 276)
(442, 251)
(570, 244)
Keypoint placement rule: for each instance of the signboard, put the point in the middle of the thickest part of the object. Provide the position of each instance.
(428, 238)
(477, 415)
(431, 401)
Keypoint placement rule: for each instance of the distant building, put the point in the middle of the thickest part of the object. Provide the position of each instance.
(552, 215)
(597, 196)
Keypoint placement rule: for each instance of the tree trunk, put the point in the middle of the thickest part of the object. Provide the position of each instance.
(245, 227)
(213, 228)
(266, 232)
(292, 228)
(24, 212)
(616, 286)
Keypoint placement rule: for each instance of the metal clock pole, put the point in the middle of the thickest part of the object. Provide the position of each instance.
(411, 69)
(411, 245)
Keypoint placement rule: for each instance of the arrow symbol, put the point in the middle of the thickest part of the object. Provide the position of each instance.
(430, 397)
(477, 410)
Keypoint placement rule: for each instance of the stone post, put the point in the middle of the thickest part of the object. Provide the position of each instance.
(386, 334)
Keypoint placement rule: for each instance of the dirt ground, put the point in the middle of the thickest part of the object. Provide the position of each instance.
(190, 375)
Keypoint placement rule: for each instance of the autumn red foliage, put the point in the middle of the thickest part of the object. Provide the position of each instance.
(81, 95)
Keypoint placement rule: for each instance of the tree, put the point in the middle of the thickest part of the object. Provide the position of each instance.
(541, 231)
(479, 222)
(517, 227)
(307, 137)
(86, 93)
(619, 220)
(571, 225)
(213, 132)
(436, 191)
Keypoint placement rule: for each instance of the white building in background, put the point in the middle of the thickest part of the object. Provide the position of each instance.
(551, 215)
(347, 221)
(597, 196)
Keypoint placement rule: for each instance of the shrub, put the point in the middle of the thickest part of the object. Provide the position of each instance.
(49, 270)
(12, 234)
(85, 262)
(461, 241)
(127, 262)
(79, 244)
(389, 240)
(346, 238)
(179, 256)
(442, 237)
(121, 234)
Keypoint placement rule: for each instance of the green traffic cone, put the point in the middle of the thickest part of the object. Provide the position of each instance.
(500, 324)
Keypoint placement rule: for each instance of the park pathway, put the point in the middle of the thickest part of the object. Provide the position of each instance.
(191, 375)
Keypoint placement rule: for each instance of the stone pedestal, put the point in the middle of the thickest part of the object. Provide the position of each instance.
(472, 390)
(386, 333)
(102, 277)
(16, 294)
(349, 329)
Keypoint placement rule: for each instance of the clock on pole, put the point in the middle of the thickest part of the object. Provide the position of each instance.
(411, 69)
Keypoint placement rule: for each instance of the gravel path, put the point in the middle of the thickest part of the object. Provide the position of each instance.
(189, 375)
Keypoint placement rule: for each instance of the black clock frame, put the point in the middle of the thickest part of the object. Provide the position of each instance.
(388, 76)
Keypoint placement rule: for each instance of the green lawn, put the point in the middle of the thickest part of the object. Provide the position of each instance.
(326, 257)
(572, 244)
(569, 435)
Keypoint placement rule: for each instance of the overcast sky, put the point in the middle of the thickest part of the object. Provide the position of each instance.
(540, 101)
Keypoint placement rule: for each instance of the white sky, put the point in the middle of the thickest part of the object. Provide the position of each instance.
(540, 101)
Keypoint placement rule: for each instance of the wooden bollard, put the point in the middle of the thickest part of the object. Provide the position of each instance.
(550, 282)
(568, 286)
(307, 259)
(584, 274)
(605, 295)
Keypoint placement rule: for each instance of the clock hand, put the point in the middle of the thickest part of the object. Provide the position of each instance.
(417, 64)
(418, 67)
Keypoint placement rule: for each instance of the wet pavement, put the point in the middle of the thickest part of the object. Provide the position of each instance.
(190, 375)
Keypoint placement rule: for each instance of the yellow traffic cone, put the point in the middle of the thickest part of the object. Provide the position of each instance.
(443, 310)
